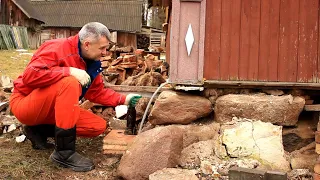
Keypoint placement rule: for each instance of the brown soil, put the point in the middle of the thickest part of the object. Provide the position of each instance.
(20, 161)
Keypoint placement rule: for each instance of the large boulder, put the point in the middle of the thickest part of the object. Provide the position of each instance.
(151, 151)
(281, 110)
(258, 140)
(179, 108)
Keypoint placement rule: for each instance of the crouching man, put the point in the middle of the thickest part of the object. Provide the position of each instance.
(46, 96)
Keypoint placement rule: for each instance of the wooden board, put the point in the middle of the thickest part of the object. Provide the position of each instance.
(289, 28)
(213, 40)
(269, 40)
(308, 40)
(230, 38)
(249, 44)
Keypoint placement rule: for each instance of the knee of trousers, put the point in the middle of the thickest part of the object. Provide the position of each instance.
(93, 131)
(70, 81)
(100, 129)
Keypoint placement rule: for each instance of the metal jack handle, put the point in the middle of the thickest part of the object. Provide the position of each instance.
(131, 121)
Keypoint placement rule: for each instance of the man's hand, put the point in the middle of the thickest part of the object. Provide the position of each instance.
(132, 99)
(81, 75)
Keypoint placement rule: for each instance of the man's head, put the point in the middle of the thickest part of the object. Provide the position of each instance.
(94, 38)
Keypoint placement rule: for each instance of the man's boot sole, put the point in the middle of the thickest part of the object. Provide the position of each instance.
(74, 168)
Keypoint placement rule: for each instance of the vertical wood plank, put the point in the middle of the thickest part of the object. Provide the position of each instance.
(308, 37)
(235, 40)
(230, 38)
(249, 46)
(212, 40)
(269, 40)
(289, 26)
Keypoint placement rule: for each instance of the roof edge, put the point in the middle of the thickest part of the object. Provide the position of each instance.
(26, 13)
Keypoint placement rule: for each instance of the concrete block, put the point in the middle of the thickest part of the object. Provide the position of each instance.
(276, 175)
(238, 173)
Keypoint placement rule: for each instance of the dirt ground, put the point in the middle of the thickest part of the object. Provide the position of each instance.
(20, 161)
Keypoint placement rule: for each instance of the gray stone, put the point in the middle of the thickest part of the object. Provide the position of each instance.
(276, 175)
(179, 108)
(281, 110)
(238, 173)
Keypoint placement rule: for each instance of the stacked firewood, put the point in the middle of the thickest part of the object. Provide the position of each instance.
(134, 69)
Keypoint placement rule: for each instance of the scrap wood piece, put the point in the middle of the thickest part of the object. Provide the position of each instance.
(127, 65)
(132, 80)
(105, 64)
(87, 104)
(130, 58)
(114, 81)
(106, 58)
(122, 74)
(117, 61)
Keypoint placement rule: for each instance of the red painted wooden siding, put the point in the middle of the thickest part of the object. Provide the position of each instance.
(262, 40)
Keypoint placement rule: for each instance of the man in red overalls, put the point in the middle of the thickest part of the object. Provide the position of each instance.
(46, 96)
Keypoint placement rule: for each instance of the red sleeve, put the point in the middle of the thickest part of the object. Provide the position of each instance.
(105, 96)
(44, 70)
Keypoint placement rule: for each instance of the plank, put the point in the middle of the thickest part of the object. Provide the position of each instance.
(212, 40)
(308, 40)
(288, 55)
(249, 44)
(230, 38)
(4, 36)
(269, 40)
(235, 40)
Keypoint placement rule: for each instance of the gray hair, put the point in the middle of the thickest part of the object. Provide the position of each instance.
(93, 31)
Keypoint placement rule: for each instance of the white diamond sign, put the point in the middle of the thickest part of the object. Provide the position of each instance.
(189, 39)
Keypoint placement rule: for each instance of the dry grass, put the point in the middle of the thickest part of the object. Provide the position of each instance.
(20, 161)
(12, 62)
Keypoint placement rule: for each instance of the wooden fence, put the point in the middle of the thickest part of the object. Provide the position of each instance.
(13, 37)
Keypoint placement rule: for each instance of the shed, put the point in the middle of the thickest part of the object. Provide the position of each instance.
(22, 13)
(247, 43)
(65, 18)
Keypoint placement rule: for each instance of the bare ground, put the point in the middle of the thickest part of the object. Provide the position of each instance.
(20, 161)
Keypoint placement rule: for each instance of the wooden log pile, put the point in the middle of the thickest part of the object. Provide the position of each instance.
(133, 68)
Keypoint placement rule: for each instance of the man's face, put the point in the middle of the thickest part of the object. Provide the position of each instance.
(96, 49)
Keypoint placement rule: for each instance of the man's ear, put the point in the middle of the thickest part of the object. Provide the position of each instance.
(86, 45)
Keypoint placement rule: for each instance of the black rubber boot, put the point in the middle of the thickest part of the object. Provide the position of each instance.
(65, 154)
(38, 135)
